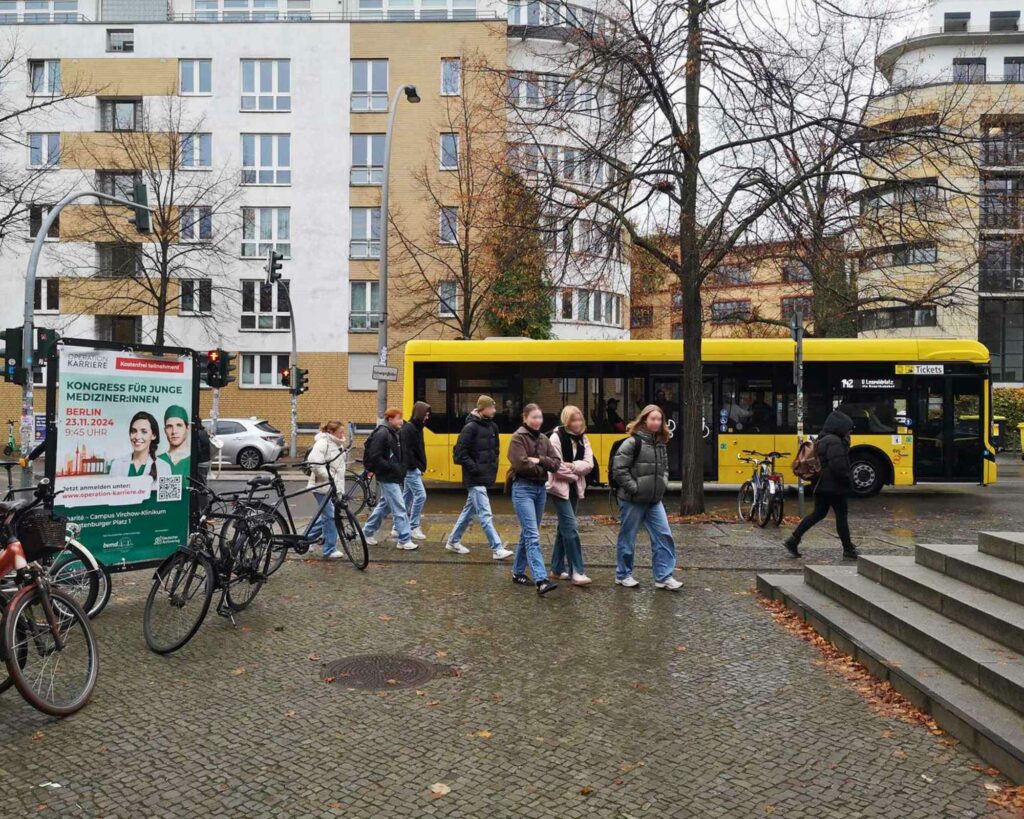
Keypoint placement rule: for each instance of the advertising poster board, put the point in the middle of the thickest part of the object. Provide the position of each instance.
(123, 424)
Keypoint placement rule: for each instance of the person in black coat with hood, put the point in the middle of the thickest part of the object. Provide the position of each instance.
(414, 458)
(834, 485)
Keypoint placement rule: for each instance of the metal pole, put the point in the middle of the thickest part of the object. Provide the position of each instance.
(28, 334)
(798, 367)
(293, 446)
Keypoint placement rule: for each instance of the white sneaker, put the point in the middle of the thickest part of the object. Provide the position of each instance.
(418, 534)
(580, 579)
(501, 553)
(669, 584)
(458, 548)
(408, 546)
(563, 576)
(337, 554)
(628, 581)
(371, 540)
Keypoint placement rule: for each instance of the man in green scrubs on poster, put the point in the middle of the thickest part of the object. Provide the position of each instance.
(179, 449)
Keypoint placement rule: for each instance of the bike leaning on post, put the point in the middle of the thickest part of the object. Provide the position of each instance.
(761, 499)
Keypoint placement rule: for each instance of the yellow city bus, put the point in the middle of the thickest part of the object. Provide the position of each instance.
(921, 406)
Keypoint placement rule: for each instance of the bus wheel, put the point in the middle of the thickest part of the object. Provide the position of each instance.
(866, 474)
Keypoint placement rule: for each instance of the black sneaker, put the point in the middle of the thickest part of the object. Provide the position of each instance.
(792, 547)
(521, 579)
(544, 586)
(850, 552)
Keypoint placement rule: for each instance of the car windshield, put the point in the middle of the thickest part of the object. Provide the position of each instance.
(263, 426)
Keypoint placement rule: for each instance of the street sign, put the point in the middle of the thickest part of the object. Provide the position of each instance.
(385, 373)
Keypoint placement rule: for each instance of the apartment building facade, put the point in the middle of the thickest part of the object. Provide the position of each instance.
(273, 113)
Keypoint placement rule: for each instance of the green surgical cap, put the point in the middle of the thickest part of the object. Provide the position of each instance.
(174, 411)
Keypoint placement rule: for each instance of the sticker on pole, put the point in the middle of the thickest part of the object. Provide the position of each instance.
(385, 373)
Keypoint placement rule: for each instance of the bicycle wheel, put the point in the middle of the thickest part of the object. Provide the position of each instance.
(763, 507)
(355, 492)
(745, 501)
(779, 504)
(350, 533)
(178, 600)
(275, 521)
(251, 551)
(6, 681)
(55, 680)
(71, 570)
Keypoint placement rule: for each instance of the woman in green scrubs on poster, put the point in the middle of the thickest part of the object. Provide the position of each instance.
(179, 444)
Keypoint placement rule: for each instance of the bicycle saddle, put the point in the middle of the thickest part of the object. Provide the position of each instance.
(7, 507)
(261, 480)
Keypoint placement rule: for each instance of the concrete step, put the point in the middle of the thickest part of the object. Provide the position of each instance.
(982, 611)
(1005, 545)
(984, 663)
(986, 726)
(980, 569)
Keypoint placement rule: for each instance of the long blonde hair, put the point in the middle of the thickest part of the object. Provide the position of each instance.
(568, 411)
(639, 424)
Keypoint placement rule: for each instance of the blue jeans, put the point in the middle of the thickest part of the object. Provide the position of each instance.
(479, 505)
(415, 496)
(567, 539)
(391, 502)
(655, 521)
(324, 526)
(528, 499)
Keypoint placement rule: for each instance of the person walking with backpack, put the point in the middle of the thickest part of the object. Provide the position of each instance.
(531, 458)
(382, 455)
(327, 446)
(640, 471)
(832, 449)
(477, 453)
(566, 486)
(414, 458)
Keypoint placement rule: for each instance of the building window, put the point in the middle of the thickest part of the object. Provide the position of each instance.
(367, 159)
(1013, 69)
(44, 76)
(364, 312)
(451, 77)
(1001, 201)
(299, 10)
(266, 228)
(727, 312)
(369, 85)
(448, 233)
(266, 159)
(360, 372)
(1003, 20)
(195, 77)
(968, 69)
(449, 152)
(266, 85)
(955, 21)
(197, 150)
(36, 214)
(265, 306)
(888, 318)
(47, 296)
(121, 40)
(795, 271)
(197, 224)
(583, 305)
(566, 311)
(1001, 267)
(263, 369)
(447, 299)
(792, 304)
(117, 183)
(44, 150)
(640, 316)
(915, 254)
(119, 260)
(196, 296)
(120, 115)
(1001, 329)
(365, 242)
(676, 331)
(729, 274)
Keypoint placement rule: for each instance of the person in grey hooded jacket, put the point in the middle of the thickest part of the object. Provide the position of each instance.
(833, 485)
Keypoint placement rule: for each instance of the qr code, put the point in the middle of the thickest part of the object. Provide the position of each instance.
(169, 488)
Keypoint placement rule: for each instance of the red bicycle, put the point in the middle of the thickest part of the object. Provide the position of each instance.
(46, 639)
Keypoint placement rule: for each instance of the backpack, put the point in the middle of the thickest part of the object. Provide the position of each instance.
(306, 468)
(807, 464)
(613, 486)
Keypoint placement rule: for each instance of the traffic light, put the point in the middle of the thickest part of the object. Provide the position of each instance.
(286, 377)
(14, 370)
(46, 338)
(300, 381)
(227, 367)
(213, 372)
(142, 221)
(273, 266)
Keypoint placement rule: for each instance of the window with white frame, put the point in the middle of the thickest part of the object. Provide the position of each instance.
(263, 369)
(47, 296)
(365, 243)
(196, 297)
(197, 150)
(448, 232)
(266, 85)
(118, 260)
(257, 10)
(44, 150)
(265, 306)
(197, 223)
(367, 159)
(118, 183)
(39, 11)
(36, 215)
(266, 159)
(592, 307)
(121, 115)
(121, 40)
(360, 372)
(364, 312)
(369, 85)
(266, 228)
(447, 299)
(299, 10)
(195, 77)
(449, 152)
(44, 76)
(451, 76)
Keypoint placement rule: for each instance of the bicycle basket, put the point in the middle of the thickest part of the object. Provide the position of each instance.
(41, 533)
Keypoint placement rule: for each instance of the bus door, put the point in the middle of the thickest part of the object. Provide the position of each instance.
(666, 392)
(947, 429)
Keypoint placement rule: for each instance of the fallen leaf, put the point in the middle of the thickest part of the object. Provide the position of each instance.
(410, 582)
(928, 779)
(586, 790)
(991, 786)
(420, 693)
(441, 653)
(238, 671)
(680, 648)
(484, 734)
(289, 714)
(626, 767)
(314, 657)
(769, 808)
(888, 734)
(598, 700)
(433, 703)
(330, 679)
(391, 681)
(439, 789)
(385, 618)
(38, 735)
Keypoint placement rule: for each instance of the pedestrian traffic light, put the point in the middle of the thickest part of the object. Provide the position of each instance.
(46, 339)
(142, 221)
(286, 377)
(227, 367)
(273, 266)
(14, 371)
(213, 371)
(300, 381)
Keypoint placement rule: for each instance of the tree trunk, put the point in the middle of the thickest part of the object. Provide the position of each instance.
(161, 302)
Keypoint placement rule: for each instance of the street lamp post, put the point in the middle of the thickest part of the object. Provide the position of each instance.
(382, 322)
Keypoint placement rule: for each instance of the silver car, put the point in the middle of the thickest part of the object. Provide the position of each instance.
(248, 442)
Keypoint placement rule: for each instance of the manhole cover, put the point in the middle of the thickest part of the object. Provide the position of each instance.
(377, 671)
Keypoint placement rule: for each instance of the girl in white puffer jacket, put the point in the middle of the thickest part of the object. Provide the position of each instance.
(327, 446)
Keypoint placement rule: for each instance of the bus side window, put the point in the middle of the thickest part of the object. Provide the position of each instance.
(748, 404)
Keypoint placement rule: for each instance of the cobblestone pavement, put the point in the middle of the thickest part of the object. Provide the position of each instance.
(599, 702)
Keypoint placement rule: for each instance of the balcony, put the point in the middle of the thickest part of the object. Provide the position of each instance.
(1002, 211)
(998, 153)
(1001, 279)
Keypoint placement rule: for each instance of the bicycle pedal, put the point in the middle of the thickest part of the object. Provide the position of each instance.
(301, 549)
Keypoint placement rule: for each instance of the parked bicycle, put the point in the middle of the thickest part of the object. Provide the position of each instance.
(762, 497)
(360, 487)
(46, 638)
